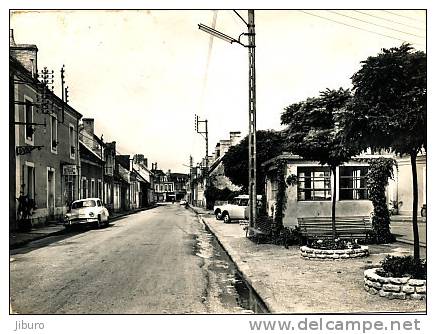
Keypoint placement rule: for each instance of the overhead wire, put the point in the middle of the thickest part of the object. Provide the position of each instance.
(359, 28)
(405, 16)
(389, 20)
(377, 25)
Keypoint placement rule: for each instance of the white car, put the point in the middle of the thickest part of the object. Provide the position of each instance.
(183, 202)
(87, 211)
(237, 209)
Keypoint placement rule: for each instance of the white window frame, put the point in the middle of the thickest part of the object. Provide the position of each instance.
(356, 183)
(82, 194)
(26, 140)
(32, 165)
(53, 117)
(72, 141)
(301, 181)
(92, 188)
(51, 169)
(99, 189)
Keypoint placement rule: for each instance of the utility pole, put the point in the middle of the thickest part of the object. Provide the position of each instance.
(206, 137)
(251, 122)
(191, 179)
(63, 91)
(251, 106)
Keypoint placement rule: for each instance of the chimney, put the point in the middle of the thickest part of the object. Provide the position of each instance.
(169, 171)
(139, 158)
(224, 146)
(88, 132)
(146, 162)
(11, 38)
(217, 150)
(235, 137)
(26, 54)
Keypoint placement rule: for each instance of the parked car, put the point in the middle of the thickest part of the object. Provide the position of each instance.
(89, 211)
(183, 202)
(236, 209)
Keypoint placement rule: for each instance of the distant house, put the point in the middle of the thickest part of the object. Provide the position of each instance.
(311, 194)
(91, 161)
(169, 187)
(122, 183)
(109, 191)
(146, 180)
(180, 189)
(217, 175)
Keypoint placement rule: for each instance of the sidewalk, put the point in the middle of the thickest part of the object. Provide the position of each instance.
(287, 283)
(401, 226)
(20, 239)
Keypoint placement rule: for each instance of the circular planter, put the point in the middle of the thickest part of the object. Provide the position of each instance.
(333, 254)
(394, 287)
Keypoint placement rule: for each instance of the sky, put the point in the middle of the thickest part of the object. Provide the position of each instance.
(143, 75)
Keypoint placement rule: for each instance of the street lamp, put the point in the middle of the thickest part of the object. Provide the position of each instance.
(251, 107)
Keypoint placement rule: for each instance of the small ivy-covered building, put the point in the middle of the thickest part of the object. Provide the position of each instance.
(308, 191)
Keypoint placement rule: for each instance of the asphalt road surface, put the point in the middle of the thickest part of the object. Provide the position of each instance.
(156, 261)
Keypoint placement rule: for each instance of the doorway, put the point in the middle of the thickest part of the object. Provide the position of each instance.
(51, 192)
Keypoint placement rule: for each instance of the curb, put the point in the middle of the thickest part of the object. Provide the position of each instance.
(410, 242)
(61, 231)
(39, 237)
(232, 257)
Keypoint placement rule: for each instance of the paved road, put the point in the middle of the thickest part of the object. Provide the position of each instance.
(156, 261)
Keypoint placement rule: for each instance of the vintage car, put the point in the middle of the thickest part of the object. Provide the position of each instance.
(236, 209)
(87, 211)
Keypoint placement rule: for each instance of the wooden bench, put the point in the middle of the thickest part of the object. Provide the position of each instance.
(353, 227)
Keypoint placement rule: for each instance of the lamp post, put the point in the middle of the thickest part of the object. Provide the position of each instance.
(251, 107)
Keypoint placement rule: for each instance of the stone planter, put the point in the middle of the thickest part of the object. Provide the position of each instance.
(333, 254)
(394, 287)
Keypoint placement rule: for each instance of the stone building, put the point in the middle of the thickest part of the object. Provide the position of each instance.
(43, 150)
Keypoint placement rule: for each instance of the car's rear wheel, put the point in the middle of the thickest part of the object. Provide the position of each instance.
(226, 218)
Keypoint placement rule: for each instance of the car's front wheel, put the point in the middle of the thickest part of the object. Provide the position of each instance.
(218, 215)
(226, 218)
(98, 223)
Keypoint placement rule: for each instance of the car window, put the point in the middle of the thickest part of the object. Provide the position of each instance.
(244, 202)
(83, 204)
(98, 203)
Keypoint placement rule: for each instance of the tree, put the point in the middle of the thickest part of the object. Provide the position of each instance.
(389, 109)
(269, 144)
(313, 133)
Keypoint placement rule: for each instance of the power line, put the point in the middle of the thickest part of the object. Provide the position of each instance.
(405, 16)
(350, 25)
(388, 20)
(377, 25)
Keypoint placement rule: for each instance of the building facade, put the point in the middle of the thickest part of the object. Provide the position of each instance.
(310, 193)
(44, 142)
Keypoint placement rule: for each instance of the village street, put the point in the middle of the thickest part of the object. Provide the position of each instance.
(157, 261)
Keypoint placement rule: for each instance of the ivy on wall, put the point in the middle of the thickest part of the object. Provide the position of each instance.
(379, 173)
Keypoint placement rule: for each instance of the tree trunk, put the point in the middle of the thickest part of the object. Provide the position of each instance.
(333, 169)
(415, 208)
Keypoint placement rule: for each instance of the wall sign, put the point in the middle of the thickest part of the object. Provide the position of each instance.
(69, 170)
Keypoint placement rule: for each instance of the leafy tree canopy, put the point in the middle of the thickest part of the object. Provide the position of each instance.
(389, 106)
(313, 130)
(269, 144)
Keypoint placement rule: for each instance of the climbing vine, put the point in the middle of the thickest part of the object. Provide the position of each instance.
(282, 184)
(379, 173)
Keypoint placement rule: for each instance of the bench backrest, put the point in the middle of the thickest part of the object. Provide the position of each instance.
(346, 227)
